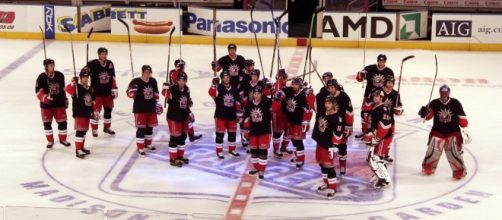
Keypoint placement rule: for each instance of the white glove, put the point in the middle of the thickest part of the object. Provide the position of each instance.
(332, 152)
(465, 136)
(115, 93)
(305, 126)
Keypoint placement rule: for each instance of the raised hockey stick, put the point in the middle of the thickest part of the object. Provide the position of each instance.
(277, 22)
(214, 43)
(271, 7)
(168, 76)
(252, 4)
(400, 74)
(181, 25)
(87, 46)
(433, 82)
(43, 41)
(73, 56)
(129, 39)
(365, 38)
(309, 44)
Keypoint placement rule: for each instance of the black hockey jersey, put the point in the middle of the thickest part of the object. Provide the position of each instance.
(102, 77)
(375, 78)
(247, 89)
(447, 116)
(227, 102)
(82, 105)
(147, 95)
(294, 105)
(259, 116)
(179, 103)
(54, 87)
(326, 127)
(342, 105)
(380, 121)
(389, 100)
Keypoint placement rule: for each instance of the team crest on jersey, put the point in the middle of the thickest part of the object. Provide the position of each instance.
(322, 125)
(110, 66)
(148, 92)
(104, 78)
(228, 100)
(291, 105)
(88, 100)
(233, 69)
(54, 88)
(388, 103)
(378, 80)
(256, 115)
(445, 115)
(183, 102)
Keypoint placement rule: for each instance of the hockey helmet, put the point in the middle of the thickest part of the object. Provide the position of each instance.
(377, 92)
(102, 50)
(327, 74)
(255, 72)
(224, 74)
(258, 89)
(381, 57)
(182, 76)
(179, 62)
(444, 88)
(330, 98)
(84, 72)
(248, 62)
(48, 61)
(232, 46)
(390, 78)
(332, 82)
(297, 81)
(146, 67)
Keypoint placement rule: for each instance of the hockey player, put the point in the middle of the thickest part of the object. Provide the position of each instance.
(179, 65)
(226, 98)
(279, 122)
(375, 75)
(257, 125)
(105, 89)
(82, 106)
(49, 90)
(343, 106)
(232, 63)
(379, 130)
(178, 98)
(296, 102)
(146, 105)
(392, 101)
(328, 132)
(445, 134)
(327, 76)
(245, 75)
(246, 95)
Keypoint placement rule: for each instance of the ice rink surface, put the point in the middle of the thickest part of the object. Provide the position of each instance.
(115, 180)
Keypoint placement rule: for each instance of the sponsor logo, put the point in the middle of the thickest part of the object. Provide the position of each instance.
(453, 28)
(236, 26)
(348, 25)
(49, 18)
(7, 19)
(411, 26)
(94, 15)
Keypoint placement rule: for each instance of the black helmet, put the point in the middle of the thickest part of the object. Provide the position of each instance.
(258, 89)
(146, 67)
(330, 98)
(390, 78)
(48, 61)
(232, 46)
(179, 62)
(102, 50)
(248, 62)
(444, 88)
(327, 74)
(182, 76)
(84, 72)
(377, 92)
(224, 73)
(332, 82)
(381, 57)
(298, 81)
(255, 72)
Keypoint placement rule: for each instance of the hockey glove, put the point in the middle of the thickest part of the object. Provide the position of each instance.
(398, 110)
(216, 80)
(158, 108)
(166, 85)
(74, 81)
(279, 95)
(423, 112)
(465, 136)
(305, 126)
(115, 93)
(333, 150)
(191, 117)
(347, 131)
(132, 90)
(95, 116)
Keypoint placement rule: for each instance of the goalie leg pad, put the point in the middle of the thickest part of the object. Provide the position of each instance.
(433, 154)
(453, 151)
(377, 165)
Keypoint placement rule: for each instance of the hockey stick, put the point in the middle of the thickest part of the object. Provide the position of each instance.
(275, 42)
(309, 44)
(400, 74)
(129, 39)
(215, 68)
(433, 83)
(73, 55)
(314, 66)
(87, 46)
(365, 39)
(181, 25)
(277, 22)
(168, 76)
(252, 4)
(43, 41)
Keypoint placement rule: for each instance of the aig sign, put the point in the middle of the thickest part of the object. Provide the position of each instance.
(453, 28)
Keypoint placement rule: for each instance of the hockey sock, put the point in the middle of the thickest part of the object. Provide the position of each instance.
(324, 174)
(255, 158)
(140, 138)
(173, 150)
(331, 177)
(107, 117)
(219, 142)
(276, 140)
(79, 140)
(231, 141)
(48, 132)
(262, 163)
(62, 131)
(181, 144)
(148, 136)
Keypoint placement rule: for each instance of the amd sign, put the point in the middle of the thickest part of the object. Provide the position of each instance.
(451, 28)
(353, 26)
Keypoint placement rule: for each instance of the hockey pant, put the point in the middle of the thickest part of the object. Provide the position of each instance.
(452, 146)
